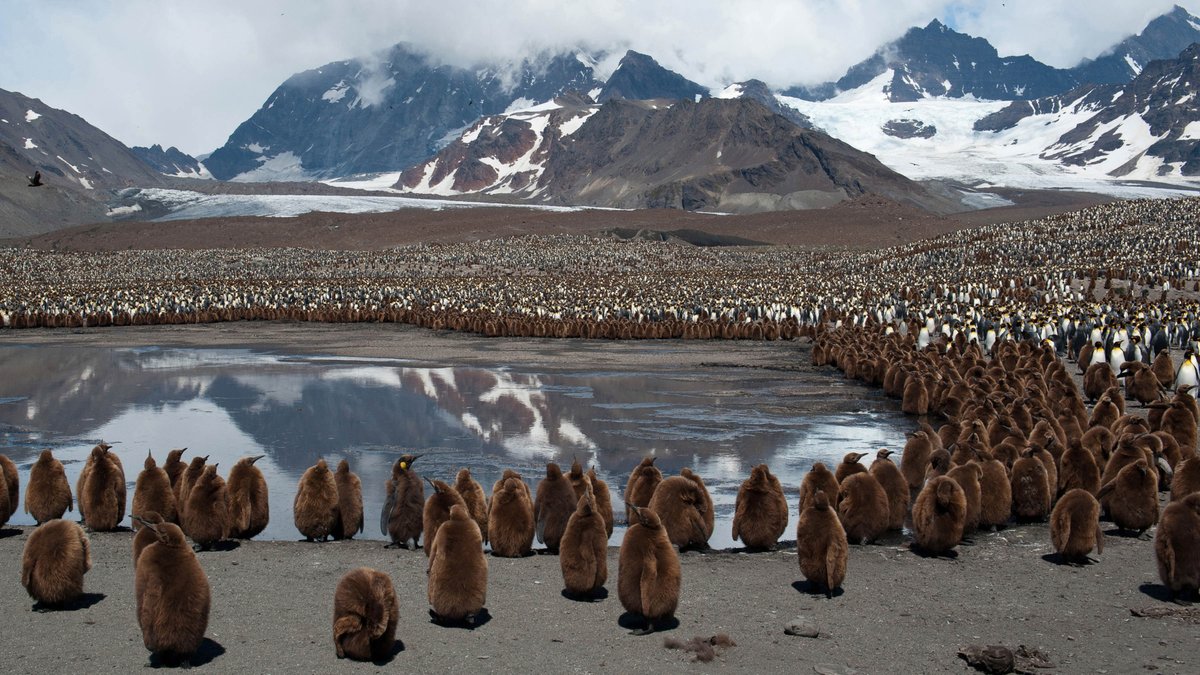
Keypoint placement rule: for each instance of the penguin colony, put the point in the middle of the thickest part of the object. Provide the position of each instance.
(1016, 441)
(1023, 278)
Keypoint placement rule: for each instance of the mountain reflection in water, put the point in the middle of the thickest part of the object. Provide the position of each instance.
(295, 409)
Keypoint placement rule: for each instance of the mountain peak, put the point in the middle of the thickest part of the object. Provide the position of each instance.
(1163, 38)
(639, 76)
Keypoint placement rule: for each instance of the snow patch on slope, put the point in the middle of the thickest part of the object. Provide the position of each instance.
(31, 115)
(285, 166)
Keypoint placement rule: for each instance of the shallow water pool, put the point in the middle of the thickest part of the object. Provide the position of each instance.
(294, 409)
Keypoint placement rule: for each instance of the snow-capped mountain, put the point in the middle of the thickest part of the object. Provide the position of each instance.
(1163, 38)
(759, 91)
(714, 154)
(1147, 129)
(363, 116)
(359, 116)
(936, 61)
(171, 162)
(78, 163)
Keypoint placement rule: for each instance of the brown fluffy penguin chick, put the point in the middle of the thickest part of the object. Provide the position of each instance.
(643, 480)
(48, 494)
(188, 478)
(173, 595)
(968, 478)
(1031, 496)
(849, 466)
(821, 545)
(152, 492)
(648, 573)
(1131, 499)
(350, 503)
(995, 495)
(1077, 468)
(437, 509)
(761, 512)
(894, 484)
(144, 536)
(677, 503)
(1177, 547)
(102, 491)
(206, 518)
(510, 517)
(940, 463)
(315, 509)
(818, 479)
(403, 511)
(472, 495)
(603, 499)
(55, 559)
(1186, 479)
(174, 466)
(863, 507)
(576, 477)
(249, 503)
(552, 507)
(12, 488)
(708, 513)
(1075, 525)
(938, 515)
(583, 551)
(914, 461)
(365, 613)
(457, 569)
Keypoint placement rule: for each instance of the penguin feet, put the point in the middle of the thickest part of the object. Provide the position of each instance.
(645, 630)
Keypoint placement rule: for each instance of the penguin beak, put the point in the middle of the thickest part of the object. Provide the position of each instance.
(255, 458)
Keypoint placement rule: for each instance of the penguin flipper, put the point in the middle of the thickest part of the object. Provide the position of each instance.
(1099, 538)
(736, 522)
(541, 529)
(649, 583)
(386, 514)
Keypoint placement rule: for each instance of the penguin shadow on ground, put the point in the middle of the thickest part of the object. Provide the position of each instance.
(387, 658)
(813, 589)
(1161, 593)
(933, 555)
(598, 596)
(209, 650)
(1063, 561)
(470, 623)
(84, 601)
(637, 624)
(1126, 534)
(6, 532)
(117, 529)
(221, 547)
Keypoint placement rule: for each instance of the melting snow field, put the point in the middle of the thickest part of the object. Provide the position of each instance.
(187, 205)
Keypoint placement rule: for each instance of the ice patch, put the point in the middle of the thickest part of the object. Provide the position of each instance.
(473, 133)
(286, 166)
(572, 125)
(732, 91)
(1191, 132)
(119, 211)
(256, 148)
(29, 144)
(594, 93)
(1133, 65)
(87, 184)
(336, 92)
(378, 181)
(31, 116)
(73, 167)
(519, 104)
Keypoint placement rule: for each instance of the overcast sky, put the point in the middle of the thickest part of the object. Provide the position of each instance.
(187, 73)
